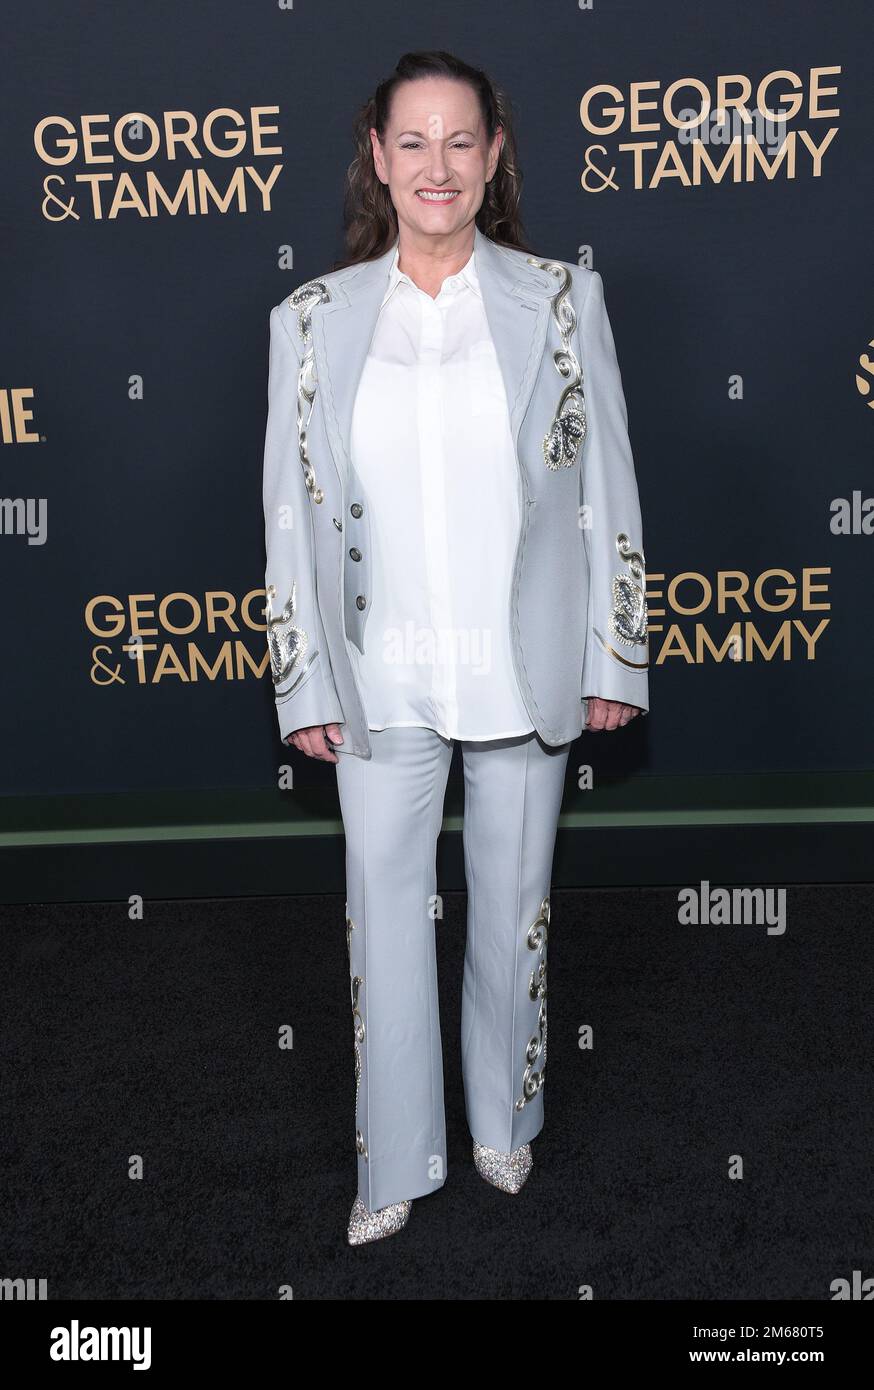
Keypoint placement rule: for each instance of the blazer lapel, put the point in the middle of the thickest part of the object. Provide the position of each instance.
(516, 297)
(342, 329)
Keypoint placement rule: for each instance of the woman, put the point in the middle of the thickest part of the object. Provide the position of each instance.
(454, 552)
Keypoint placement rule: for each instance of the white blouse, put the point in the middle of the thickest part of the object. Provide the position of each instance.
(432, 447)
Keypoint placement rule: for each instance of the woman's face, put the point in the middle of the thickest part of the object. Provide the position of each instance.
(435, 142)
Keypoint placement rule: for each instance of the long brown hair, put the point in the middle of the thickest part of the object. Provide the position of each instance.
(368, 212)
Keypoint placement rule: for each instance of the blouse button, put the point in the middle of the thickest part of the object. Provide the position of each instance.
(356, 509)
(360, 601)
(355, 553)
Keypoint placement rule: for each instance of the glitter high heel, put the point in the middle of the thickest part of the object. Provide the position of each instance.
(367, 1225)
(506, 1171)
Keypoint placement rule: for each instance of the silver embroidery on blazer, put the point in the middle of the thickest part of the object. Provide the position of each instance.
(628, 621)
(536, 940)
(358, 1022)
(286, 642)
(303, 300)
(568, 429)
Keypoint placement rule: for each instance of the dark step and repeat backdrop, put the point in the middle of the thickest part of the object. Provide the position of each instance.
(170, 172)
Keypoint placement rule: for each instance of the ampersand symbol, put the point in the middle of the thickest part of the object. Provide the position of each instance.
(68, 207)
(98, 665)
(606, 177)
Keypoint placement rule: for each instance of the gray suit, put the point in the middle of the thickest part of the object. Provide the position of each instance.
(578, 629)
(578, 612)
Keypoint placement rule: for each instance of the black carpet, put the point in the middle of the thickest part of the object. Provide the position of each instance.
(159, 1038)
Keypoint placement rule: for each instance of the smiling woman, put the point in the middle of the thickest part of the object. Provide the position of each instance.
(441, 590)
(434, 106)
(444, 171)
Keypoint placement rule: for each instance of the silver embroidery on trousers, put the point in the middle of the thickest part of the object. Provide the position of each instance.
(568, 429)
(303, 300)
(286, 642)
(357, 984)
(533, 1076)
(628, 620)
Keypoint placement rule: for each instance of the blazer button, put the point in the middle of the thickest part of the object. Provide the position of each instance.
(361, 601)
(356, 509)
(355, 553)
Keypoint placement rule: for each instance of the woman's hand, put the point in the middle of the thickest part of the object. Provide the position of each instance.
(608, 714)
(312, 741)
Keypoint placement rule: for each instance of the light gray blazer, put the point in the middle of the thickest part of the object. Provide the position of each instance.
(577, 606)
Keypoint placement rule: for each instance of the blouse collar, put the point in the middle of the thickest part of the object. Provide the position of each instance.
(466, 276)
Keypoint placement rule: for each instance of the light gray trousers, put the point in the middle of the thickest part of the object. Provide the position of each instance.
(392, 808)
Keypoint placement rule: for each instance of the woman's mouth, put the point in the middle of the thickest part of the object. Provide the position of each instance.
(429, 195)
